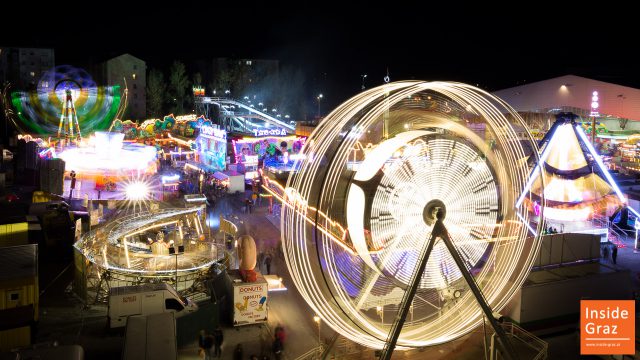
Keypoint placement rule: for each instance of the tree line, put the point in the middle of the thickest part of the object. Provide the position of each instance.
(284, 90)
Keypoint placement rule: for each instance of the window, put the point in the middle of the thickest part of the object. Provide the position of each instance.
(135, 67)
(173, 304)
(14, 296)
(135, 86)
(249, 62)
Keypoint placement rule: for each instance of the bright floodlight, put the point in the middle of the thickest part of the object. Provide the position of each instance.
(364, 202)
(137, 191)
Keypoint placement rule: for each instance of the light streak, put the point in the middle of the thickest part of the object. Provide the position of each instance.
(336, 269)
(105, 247)
(537, 170)
(598, 159)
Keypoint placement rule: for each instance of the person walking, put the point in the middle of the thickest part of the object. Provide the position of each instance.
(605, 252)
(279, 334)
(277, 348)
(218, 337)
(614, 253)
(205, 342)
(201, 338)
(260, 259)
(267, 263)
(238, 352)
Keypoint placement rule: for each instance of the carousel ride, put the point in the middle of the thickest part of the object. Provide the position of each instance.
(413, 242)
(169, 245)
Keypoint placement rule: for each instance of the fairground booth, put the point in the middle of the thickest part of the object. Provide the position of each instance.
(274, 147)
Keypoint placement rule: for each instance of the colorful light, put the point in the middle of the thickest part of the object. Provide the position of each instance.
(110, 154)
(351, 239)
(594, 105)
(39, 111)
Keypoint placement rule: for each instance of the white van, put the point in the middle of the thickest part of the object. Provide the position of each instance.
(145, 300)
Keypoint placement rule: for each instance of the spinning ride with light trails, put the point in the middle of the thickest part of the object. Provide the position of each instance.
(400, 226)
(65, 102)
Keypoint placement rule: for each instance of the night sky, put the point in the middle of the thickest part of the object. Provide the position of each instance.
(493, 47)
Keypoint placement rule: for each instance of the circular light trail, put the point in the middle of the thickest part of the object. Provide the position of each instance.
(359, 211)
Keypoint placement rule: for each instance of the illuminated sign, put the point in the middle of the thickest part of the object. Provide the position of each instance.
(213, 132)
(198, 91)
(270, 132)
(190, 117)
(250, 303)
(170, 178)
(594, 104)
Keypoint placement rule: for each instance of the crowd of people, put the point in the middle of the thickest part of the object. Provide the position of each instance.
(210, 345)
(610, 248)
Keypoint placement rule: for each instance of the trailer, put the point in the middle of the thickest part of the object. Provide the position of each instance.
(151, 337)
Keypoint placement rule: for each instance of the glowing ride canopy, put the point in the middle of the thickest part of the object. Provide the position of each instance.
(109, 154)
(352, 238)
(577, 185)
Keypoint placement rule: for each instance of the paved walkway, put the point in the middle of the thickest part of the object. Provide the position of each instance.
(289, 309)
(286, 308)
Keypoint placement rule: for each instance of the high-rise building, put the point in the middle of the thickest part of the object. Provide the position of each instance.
(24, 67)
(129, 68)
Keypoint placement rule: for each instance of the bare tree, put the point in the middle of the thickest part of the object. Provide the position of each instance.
(156, 93)
(178, 84)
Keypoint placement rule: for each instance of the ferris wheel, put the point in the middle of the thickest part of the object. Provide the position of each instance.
(400, 226)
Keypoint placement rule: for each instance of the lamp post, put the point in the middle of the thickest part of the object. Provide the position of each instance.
(319, 97)
(317, 320)
(364, 76)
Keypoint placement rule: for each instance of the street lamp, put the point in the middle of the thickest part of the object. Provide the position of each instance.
(317, 320)
(364, 76)
(319, 97)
